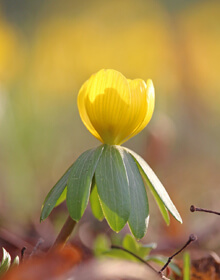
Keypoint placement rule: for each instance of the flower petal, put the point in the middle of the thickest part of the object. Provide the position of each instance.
(108, 100)
(138, 108)
(114, 108)
(142, 105)
(82, 110)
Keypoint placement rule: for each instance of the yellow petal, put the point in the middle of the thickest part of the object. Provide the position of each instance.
(149, 103)
(137, 110)
(107, 101)
(113, 108)
(82, 110)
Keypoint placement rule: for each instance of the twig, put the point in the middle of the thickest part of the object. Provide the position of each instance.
(15, 240)
(192, 238)
(140, 259)
(65, 232)
(194, 209)
(134, 255)
(22, 253)
(39, 242)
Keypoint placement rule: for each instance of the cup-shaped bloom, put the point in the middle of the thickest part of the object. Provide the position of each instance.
(110, 176)
(114, 108)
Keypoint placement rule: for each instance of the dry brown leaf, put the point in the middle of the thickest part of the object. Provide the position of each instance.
(207, 268)
(49, 266)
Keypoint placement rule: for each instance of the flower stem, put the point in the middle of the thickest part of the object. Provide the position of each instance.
(65, 232)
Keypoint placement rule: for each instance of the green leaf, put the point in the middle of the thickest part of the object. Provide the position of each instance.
(102, 249)
(138, 249)
(146, 249)
(174, 267)
(113, 187)
(163, 209)
(101, 245)
(131, 244)
(62, 197)
(159, 202)
(53, 196)
(6, 262)
(120, 254)
(79, 182)
(116, 238)
(154, 183)
(186, 266)
(95, 204)
(139, 216)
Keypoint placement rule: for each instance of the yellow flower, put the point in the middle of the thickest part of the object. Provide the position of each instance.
(112, 177)
(114, 108)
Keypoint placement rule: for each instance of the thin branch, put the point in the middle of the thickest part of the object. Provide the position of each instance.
(141, 260)
(194, 209)
(39, 242)
(22, 253)
(134, 255)
(192, 238)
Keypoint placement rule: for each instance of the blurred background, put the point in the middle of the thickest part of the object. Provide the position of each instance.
(49, 48)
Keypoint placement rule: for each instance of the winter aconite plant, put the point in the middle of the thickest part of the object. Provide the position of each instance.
(110, 176)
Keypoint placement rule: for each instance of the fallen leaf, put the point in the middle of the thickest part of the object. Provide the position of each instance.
(49, 266)
(207, 268)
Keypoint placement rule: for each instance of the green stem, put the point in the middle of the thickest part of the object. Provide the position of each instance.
(65, 233)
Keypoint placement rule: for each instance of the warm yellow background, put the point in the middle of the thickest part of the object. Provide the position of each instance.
(49, 48)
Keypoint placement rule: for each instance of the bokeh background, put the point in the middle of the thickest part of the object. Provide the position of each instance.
(49, 48)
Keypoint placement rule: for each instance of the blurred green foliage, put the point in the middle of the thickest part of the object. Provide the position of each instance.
(130, 250)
